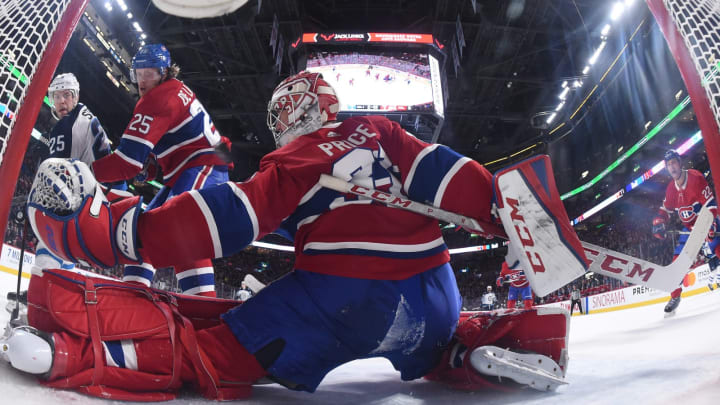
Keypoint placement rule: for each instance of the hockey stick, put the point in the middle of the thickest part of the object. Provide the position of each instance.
(603, 261)
(14, 317)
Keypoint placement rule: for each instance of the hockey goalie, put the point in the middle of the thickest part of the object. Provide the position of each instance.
(370, 280)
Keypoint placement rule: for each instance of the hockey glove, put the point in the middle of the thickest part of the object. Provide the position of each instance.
(149, 170)
(711, 232)
(658, 229)
(69, 213)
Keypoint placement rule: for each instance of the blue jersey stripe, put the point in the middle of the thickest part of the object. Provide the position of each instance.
(188, 131)
(114, 349)
(197, 281)
(134, 150)
(379, 253)
(224, 204)
(316, 205)
(139, 271)
(430, 172)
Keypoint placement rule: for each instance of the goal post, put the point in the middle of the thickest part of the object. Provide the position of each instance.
(692, 31)
(33, 37)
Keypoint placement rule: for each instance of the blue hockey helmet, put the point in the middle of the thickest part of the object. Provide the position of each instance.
(671, 154)
(150, 56)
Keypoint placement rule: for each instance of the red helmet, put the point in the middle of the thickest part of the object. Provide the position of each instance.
(300, 105)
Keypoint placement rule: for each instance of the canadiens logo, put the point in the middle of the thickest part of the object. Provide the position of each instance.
(686, 213)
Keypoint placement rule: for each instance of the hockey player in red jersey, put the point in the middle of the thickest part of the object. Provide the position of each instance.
(519, 288)
(369, 280)
(170, 129)
(686, 195)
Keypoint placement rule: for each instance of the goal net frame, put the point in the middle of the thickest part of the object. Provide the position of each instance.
(33, 37)
(692, 32)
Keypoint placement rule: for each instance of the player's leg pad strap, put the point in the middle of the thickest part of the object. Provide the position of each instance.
(102, 310)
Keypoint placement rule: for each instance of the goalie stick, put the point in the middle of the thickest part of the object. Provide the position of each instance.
(603, 261)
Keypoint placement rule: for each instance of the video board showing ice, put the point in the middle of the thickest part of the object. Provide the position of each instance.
(387, 81)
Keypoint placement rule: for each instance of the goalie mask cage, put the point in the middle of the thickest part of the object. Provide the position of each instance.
(692, 31)
(33, 37)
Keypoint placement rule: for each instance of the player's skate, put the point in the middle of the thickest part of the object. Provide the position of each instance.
(13, 302)
(671, 307)
(534, 370)
(26, 350)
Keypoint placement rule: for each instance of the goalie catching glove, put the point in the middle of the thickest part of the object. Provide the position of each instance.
(70, 214)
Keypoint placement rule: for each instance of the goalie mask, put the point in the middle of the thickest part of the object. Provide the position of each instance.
(61, 83)
(300, 105)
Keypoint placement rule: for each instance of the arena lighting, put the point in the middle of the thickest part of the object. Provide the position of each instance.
(617, 10)
(605, 30)
(595, 55)
(89, 45)
(129, 16)
(551, 117)
(108, 6)
(586, 70)
(560, 106)
(585, 173)
(657, 168)
(122, 5)
(137, 26)
(630, 151)
(564, 93)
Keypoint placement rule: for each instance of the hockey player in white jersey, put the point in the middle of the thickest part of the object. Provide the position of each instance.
(77, 135)
(489, 299)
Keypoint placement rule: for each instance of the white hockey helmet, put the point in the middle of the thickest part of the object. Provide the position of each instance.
(309, 102)
(64, 81)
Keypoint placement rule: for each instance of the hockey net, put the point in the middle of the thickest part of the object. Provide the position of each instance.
(692, 31)
(33, 36)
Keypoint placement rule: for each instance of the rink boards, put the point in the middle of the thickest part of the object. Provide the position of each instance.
(629, 297)
(695, 282)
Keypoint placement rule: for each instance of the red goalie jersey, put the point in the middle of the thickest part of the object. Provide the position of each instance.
(688, 199)
(336, 233)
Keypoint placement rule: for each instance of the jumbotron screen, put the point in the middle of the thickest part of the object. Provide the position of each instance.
(381, 82)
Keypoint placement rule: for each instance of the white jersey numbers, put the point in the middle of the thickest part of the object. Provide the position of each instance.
(141, 123)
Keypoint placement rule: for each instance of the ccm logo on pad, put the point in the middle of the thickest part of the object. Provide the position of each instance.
(526, 239)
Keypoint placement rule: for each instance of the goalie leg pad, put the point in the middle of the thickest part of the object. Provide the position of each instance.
(111, 335)
(534, 370)
(537, 225)
(541, 331)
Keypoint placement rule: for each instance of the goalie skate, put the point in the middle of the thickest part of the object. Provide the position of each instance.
(534, 370)
(26, 350)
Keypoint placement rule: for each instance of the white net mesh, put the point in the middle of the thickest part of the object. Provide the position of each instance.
(698, 22)
(60, 185)
(25, 30)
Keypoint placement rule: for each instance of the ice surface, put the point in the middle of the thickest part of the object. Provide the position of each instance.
(632, 357)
